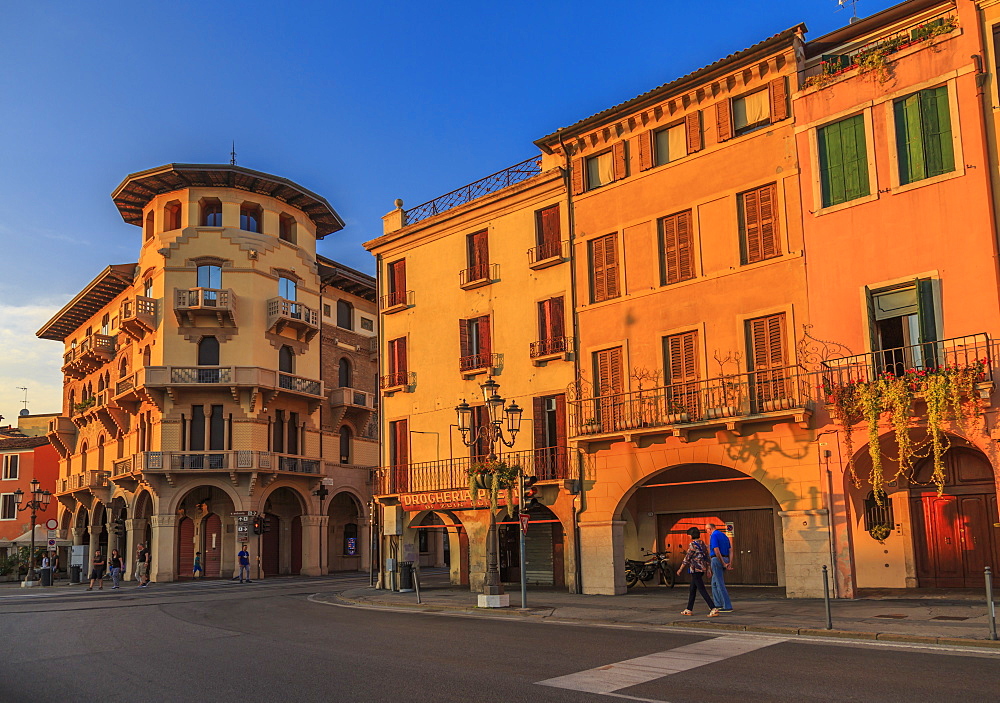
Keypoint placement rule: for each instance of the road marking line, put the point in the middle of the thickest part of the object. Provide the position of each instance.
(632, 672)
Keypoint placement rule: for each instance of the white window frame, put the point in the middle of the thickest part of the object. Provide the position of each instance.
(7, 461)
(13, 504)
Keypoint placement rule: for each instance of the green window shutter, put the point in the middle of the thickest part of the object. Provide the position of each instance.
(843, 161)
(936, 122)
(926, 320)
(909, 140)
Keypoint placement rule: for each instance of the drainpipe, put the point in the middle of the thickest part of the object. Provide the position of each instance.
(578, 500)
(823, 456)
(380, 336)
(985, 110)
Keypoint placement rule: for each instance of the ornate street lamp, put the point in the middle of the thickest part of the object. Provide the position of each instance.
(39, 502)
(502, 428)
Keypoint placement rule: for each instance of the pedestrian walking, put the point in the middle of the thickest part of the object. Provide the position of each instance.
(142, 565)
(97, 567)
(697, 562)
(721, 550)
(244, 557)
(196, 570)
(116, 565)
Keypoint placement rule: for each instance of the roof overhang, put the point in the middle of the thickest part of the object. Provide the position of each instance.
(656, 95)
(138, 189)
(346, 279)
(102, 290)
(837, 37)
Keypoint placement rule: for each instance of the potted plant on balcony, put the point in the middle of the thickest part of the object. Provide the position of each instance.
(85, 404)
(590, 426)
(493, 476)
(677, 413)
(724, 392)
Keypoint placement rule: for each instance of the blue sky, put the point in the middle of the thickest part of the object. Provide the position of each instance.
(360, 102)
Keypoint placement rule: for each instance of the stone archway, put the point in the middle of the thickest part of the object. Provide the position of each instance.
(202, 514)
(344, 533)
(283, 549)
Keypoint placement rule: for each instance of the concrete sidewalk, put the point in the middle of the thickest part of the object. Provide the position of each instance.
(955, 621)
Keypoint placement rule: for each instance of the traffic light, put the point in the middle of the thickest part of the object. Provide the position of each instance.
(530, 498)
(265, 525)
(257, 525)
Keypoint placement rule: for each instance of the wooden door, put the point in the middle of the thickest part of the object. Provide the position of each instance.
(212, 551)
(938, 549)
(753, 542)
(296, 545)
(270, 547)
(185, 547)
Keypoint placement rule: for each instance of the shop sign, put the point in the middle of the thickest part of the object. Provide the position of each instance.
(456, 499)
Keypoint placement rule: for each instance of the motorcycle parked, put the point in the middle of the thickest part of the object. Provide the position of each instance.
(658, 563)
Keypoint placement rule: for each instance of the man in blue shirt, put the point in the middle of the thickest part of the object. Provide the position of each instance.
(244, 557)
(721, 550)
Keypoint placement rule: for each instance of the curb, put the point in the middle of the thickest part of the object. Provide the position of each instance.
(860, 636)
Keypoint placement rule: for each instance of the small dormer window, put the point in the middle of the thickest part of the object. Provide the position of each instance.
(250, 217)
(148, 231)
(211, 212)
(286, 228)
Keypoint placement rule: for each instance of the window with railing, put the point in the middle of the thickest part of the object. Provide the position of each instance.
(475, 343)
(398, 374)
(551, 329)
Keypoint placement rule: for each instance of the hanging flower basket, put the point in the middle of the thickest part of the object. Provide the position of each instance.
(493, 476)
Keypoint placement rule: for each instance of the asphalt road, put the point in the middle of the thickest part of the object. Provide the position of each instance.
(220, 641)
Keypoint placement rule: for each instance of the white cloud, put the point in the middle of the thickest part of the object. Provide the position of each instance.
(26, 360)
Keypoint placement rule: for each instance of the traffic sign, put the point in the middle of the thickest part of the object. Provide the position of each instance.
(51, 535)
(51, 524)
(524, 518)
(52, 544)
(238, 513)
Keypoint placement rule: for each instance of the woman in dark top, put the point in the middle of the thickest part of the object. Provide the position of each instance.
(117, 566)
(698, 563)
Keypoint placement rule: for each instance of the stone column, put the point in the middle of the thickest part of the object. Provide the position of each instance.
(95, 543)
(364, 542)
(602, 551)
(438, 536)
(164, 547)
(314, 527)
(134, 531)
(77, 534)
(478, 529)
(805, 536)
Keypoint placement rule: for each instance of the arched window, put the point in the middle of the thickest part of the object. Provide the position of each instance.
(105, 324)
(345, 444)
(123, 367)
(250, 217)
(172, 216)
(211, 212)
(209, 276)
(286, 360)
(72, 401)
(83, 456)
(345, 315)
(147, 288)
(100, 384)
(148, 232)
(344, 373)
(147, 355)
(286, 228)
(286, 288)
(208, 351)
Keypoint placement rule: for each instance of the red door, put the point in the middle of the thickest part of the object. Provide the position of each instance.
(211, 553)
(185, 547)
(296, 545)
(953, 541)
(270, 545)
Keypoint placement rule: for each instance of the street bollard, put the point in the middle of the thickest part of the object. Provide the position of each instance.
(826, 598)
(989, 603)
(416, 582)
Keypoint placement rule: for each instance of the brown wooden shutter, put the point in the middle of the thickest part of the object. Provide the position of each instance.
(397, 280)
(598, 281)
(682, 357)
(561, 421)
(770, 241)
(767, 342)
(753, 247)
(463, 338)
(543, 320)
(723, 120)
(609, 371)
(611, 271)
(400, 455)
(620, 164)
(668, 231)
(778, 91)
(549, 232)
(645, 150)
(556, 321)
(692, 129)
(577, 179)
(485, 342)
(678, 255)
(538, 408)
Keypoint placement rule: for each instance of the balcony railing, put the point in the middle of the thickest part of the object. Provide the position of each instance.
(122, 467)
(352, 397)
(478, 275)
(476, 362)
(395, 379)
(959, 352)
(714, 401)
(89, 355)
(548, 464)
(138, 315)
(84, 479)
(192, 303)
(299, 384)
(241, 376)
(484, 186)
(229, 460)
(396, 300)
(283, 313)
(201, 374)
(553, 345)
(547, 253)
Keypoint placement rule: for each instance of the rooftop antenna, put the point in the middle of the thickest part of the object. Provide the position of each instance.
(24, 411)
(854, 8)
(232, 154)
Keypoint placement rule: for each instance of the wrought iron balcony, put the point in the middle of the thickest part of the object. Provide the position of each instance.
(484, 186)
(396, 380)
(89, 355)
(553, 346)
(478, 276)
(190, 304)
(137, 316)
(548, 464)
(779, 394)
(477, 363)
(548, 254)
(396, 301)
(287, 314)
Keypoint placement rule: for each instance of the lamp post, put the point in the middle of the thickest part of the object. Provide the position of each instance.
(39, 501)
(501, 428)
